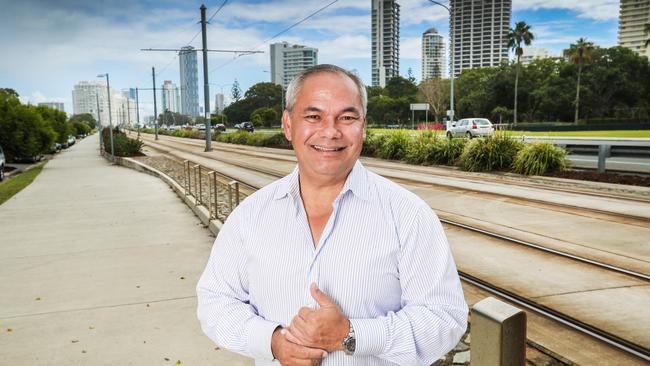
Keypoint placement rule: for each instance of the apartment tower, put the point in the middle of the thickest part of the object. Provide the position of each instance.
(633, 16)
(385, 41)
(479, 33)
(288, 60)
(433, 55)
(189, 81)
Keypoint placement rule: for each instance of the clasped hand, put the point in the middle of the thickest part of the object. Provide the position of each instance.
(312, 333)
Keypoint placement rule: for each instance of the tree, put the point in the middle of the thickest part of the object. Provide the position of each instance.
(86, 118)
(58, 122)
(23, 132)
(581, 52)
(435, 92)
(172, 118)
(266, 117)
(235, 91)
(518, 35)
(375, 91)
(398, 86)
(500, 111)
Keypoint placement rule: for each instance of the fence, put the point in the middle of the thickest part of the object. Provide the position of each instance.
(215, 191)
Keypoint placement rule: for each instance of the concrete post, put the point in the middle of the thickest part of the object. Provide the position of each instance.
(498, 334)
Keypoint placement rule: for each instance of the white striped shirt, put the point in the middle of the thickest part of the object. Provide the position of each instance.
(383, 257)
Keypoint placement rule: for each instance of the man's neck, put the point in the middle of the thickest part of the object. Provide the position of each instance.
(320, 191)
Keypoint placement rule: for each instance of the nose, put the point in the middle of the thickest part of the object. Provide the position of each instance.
(330, 128)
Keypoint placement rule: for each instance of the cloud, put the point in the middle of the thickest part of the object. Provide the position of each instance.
(593, 9)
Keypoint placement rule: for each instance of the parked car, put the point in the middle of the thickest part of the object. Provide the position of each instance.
(470, 128)
(200, 127)
(56, 147)
(71, 140)
(2, 164)
(220, 127)
(246, 126)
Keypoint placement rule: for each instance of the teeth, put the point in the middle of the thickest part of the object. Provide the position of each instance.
(320, 148)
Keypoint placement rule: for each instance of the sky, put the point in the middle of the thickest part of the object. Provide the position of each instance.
(47, 46)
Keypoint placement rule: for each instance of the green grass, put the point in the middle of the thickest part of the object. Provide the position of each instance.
(612, 133)
(10, 187)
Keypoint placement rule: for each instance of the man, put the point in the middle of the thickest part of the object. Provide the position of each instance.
(332, 264)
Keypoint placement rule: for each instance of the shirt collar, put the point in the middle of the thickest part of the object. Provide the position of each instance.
(356, 182)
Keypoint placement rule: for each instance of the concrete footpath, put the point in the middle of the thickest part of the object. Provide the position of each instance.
(98, 265)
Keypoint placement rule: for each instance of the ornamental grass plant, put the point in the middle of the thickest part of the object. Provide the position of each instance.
(395, 146)
(539, 158)
(496, 152)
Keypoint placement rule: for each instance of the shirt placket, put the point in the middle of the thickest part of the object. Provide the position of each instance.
(313, 274)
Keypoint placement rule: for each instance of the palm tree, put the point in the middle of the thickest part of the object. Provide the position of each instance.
(518, 35)
(580, 53)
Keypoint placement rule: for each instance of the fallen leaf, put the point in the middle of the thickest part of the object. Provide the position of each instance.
(74, 341)
(178, 362)
(216, 348)
(138, 286)
(9, 330)
(182, 278)
(148, 305)
(38, 299)
(166, 359)
(83, 351)
(91, 327)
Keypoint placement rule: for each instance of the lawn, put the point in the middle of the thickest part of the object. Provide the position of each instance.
(15, 184)
(611, 133)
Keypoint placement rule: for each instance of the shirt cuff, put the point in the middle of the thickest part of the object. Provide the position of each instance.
(260, 332)
(370, 336)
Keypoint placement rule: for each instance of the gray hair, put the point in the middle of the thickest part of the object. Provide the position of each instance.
(296, 83)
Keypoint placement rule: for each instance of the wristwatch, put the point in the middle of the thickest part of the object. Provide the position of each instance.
(350, 342)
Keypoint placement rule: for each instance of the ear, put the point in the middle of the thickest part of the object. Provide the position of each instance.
(286, 124)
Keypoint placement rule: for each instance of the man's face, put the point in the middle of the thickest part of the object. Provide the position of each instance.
(326, 126)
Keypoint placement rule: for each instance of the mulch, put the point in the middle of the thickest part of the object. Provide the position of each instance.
(629, 179)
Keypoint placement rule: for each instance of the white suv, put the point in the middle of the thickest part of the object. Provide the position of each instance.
(470, 128)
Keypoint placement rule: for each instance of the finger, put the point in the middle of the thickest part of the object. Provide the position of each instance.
(309, 353)
(289, 336)
(304, 312)
(321, 298)
(300, 329)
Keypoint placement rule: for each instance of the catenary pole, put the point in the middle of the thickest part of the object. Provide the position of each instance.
(155, 109)
(206, 87)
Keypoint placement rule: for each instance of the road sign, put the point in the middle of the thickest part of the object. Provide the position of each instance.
(419, 106)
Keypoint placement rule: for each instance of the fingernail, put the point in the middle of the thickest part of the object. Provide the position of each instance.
(324, 354)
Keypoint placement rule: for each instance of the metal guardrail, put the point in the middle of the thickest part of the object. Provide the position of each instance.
(204, 186)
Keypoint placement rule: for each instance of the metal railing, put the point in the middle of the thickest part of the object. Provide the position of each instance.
(207, 185)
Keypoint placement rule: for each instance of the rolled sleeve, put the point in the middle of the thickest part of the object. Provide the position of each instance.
(370, 336)
(260, 333)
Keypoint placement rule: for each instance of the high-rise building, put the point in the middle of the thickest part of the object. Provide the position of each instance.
(170, 97)
(218, 103)
(84, 100)
(288, 60)
(433, 54)
(189, 81)
(633, 16)
(531, 54)
(54, 105)
(385, 41)
(479, 33)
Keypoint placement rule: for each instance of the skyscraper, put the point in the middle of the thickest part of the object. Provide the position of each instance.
(288, 60)
(84, 100)
(170, 97)
(433, 54)
(54, 105)
(531, 54)
(189, 81)
(385, 41)
(480, 33)
(633, 16)
(218, 103)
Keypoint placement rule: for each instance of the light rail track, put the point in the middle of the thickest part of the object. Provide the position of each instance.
(601, 335)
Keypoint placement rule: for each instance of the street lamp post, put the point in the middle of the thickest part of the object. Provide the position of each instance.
(451, 58)
(110, 118)
(99, 122)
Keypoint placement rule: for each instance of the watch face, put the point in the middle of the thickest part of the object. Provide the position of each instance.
(351, 344)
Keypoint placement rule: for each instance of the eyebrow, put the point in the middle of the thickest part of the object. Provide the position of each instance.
(316, 109)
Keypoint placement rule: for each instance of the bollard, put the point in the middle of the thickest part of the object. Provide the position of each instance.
(604, 152)
(498, 334)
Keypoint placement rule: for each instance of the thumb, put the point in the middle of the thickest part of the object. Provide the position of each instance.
(321, 298)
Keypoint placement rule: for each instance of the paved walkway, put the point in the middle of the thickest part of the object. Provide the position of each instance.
(98, 265)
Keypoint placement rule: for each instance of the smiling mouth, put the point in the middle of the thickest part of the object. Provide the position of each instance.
(328, 149)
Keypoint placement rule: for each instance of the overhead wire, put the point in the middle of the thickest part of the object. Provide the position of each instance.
(275, 36)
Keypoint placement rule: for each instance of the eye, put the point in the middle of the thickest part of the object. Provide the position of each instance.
(348, 118)
(312, 117)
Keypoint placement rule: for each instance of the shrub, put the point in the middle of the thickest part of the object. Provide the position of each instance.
(539, 158)
(395, 146)
(123, 145)
(422, 149)
(372, 144)
(494, 152)
(256, 139)
(448, 151)
(278, 140)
